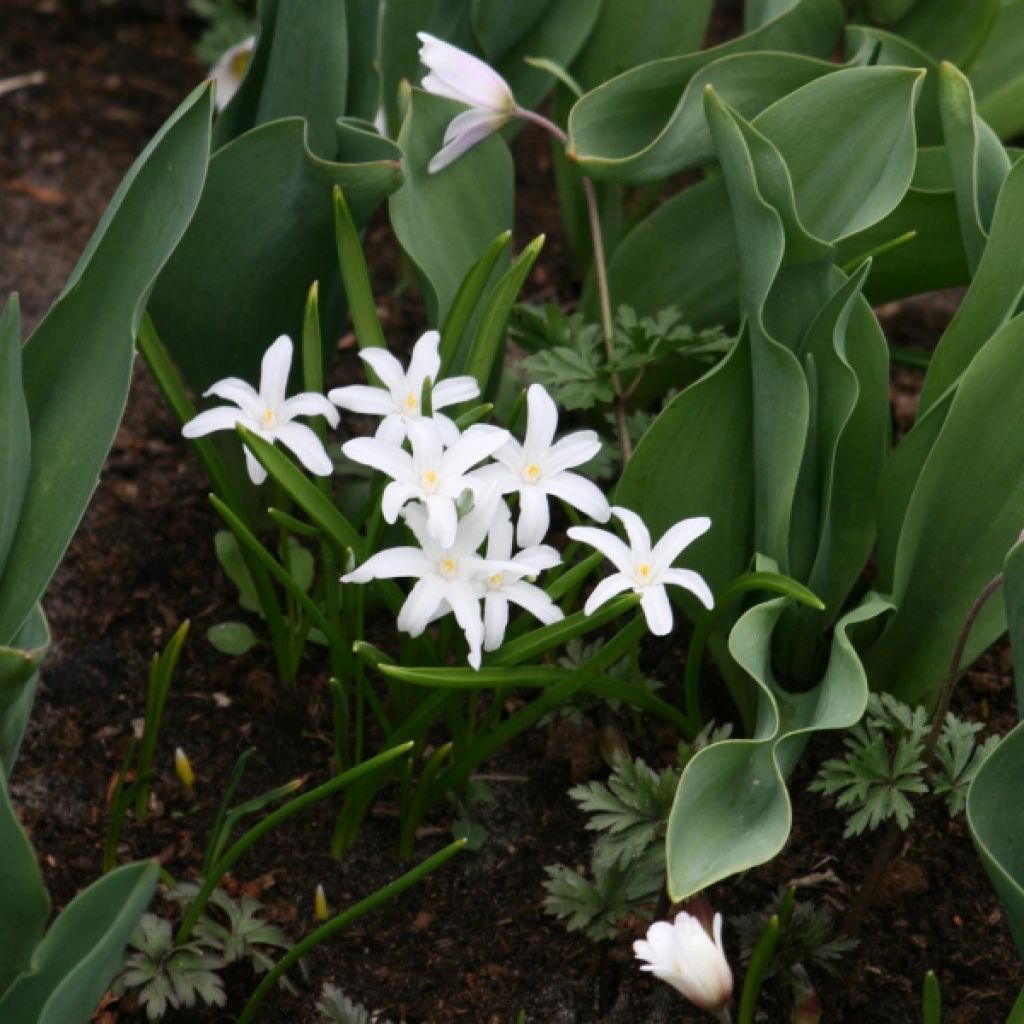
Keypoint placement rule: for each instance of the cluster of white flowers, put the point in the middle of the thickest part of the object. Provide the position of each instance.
(452, 502)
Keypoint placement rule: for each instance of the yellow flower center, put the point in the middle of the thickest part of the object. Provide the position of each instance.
(448, 568)
(412, 403)
(643, 573)
(531, 472)
(269, 419)
(429, 479)
(496, 580)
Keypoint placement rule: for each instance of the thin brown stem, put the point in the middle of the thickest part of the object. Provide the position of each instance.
(601, 273)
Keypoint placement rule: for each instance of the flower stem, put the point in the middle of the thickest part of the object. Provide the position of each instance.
(601, 274)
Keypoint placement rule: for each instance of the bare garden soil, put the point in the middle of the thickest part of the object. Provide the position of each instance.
(471, 944)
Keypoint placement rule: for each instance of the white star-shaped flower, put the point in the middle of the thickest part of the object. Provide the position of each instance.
(685, 956)
(400, 400)
(539, 467)
(462, 77)
(504, 586)
(646, 570)
(432, 474)
(448, 576)
(268, 413)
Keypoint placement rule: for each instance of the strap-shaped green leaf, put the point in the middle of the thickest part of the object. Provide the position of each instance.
(647, 123)
(1013, 596)
(266, 193)
(949, 29)
(23, 897)
(997, 74)
(732, 811)
(77, 363)
(997, 831)
(77, 960)
(946, 551)
(15, 436)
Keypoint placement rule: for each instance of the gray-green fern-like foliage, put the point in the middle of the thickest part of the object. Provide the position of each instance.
(629, 813)
(884, 768)
(166, 976)
(337, 1008)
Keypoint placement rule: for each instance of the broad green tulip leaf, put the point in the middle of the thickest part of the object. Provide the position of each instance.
(19, 666)
(266, 194)
(498, 25)
(978, 161)
(764, 213)
(1013, 595)
(363, 96)
(77, 364)
(299, 68)
(759, 12)
(15, 436)
(731, 810)
(997, 73)
(632, 32)
(888, 12)
(22, 895)
(949, 29)
(874, 47)
(77, 960)
(946, 552)
(445, 220)
(997, 831)
(646, 123)
(993, 296)
(711, 474)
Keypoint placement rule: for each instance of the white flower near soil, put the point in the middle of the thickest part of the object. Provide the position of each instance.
(461, 76)
(448, 576)
(685, 956)
(229, 71)
(504, 587)
(643, 569)
(538, 468)
(400, 401)
(433, 474)
(268, 413)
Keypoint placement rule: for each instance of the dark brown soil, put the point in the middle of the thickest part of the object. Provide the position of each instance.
(472, 944)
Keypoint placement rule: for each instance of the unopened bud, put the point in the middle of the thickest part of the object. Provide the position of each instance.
(320, 908)
(183, 769)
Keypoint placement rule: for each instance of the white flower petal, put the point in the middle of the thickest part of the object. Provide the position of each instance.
(609, 587)
(391, 430)
(277, 362)
(636, 531)
(607, 543)
(224, 417)
(389, 459)
(541, 424)
(425, 362)
(572, 450)
(420, 605)
(510, 455)
(395, 495)
(460, 75)
(257, 474)
(427, 446)
(450, 433)
(244, 395)
(308, 403)
(534, 600)
(675, 539)
(363, 399)
(476, 444)
(691, 581)
(454, 391)
(495, 619)
(581, 493)
(465, 602)
(392, 563)
(306, 447)
(464, 132)
(534, 516)
(388, 369)
(500, 536)
(657, 609)
(442, 519)
(537, 558)
(474, 526)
